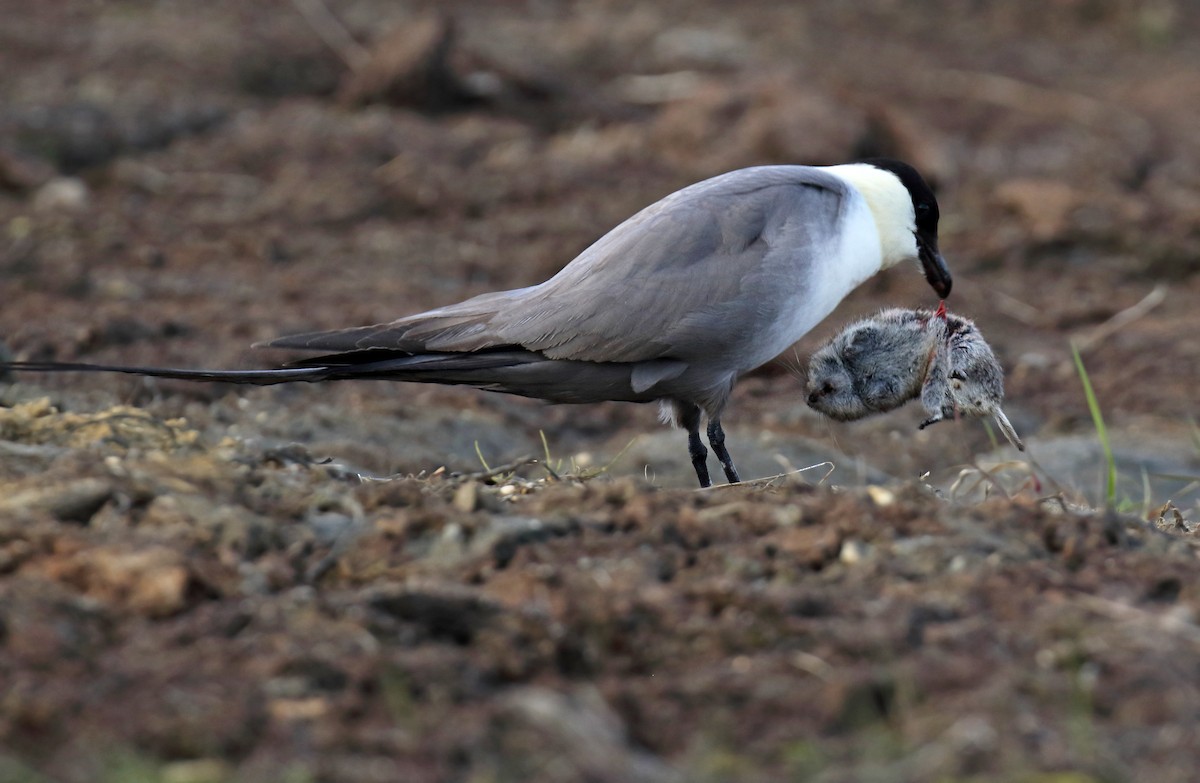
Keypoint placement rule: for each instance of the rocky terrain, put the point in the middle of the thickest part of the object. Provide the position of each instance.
(376, 582)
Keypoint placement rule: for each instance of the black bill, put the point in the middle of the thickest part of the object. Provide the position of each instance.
(936, 271)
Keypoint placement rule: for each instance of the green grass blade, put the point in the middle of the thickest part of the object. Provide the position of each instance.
(482, 461)
(1110, 480)
(987, 425)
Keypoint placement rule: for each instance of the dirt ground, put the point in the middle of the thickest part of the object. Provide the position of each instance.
(203, 583)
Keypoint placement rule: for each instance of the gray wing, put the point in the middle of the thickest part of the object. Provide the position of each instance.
(697, 274)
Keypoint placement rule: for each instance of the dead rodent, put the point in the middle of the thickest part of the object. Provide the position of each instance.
(882, 362)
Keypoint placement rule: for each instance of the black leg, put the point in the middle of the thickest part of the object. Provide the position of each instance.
(689, 418)
(716, 439)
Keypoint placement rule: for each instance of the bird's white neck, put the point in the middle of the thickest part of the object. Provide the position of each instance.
(891, 206)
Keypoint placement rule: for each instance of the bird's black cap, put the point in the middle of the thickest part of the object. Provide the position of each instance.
(925, 210)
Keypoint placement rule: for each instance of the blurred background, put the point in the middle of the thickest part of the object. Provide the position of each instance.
(179, 180)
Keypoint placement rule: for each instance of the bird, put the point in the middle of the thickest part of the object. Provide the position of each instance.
(879, 363)
(673, 306)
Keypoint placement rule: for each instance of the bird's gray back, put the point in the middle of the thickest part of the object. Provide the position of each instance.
(700, 277)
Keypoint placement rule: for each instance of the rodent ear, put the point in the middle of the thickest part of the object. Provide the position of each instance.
(861, 341)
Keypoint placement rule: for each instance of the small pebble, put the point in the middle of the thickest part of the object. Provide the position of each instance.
(62, 194)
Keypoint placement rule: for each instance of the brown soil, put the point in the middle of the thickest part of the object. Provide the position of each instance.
(204, 583)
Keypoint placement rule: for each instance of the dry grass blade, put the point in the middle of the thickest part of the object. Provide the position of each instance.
(1086, 339)
(333, 33)
(499, 470)
(985, 475)
(1020, 95)
(767, 481)
(1018, 310)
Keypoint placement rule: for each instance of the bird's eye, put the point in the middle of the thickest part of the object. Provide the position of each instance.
(923, 209)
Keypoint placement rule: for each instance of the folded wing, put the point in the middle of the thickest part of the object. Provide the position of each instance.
(693, 275)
